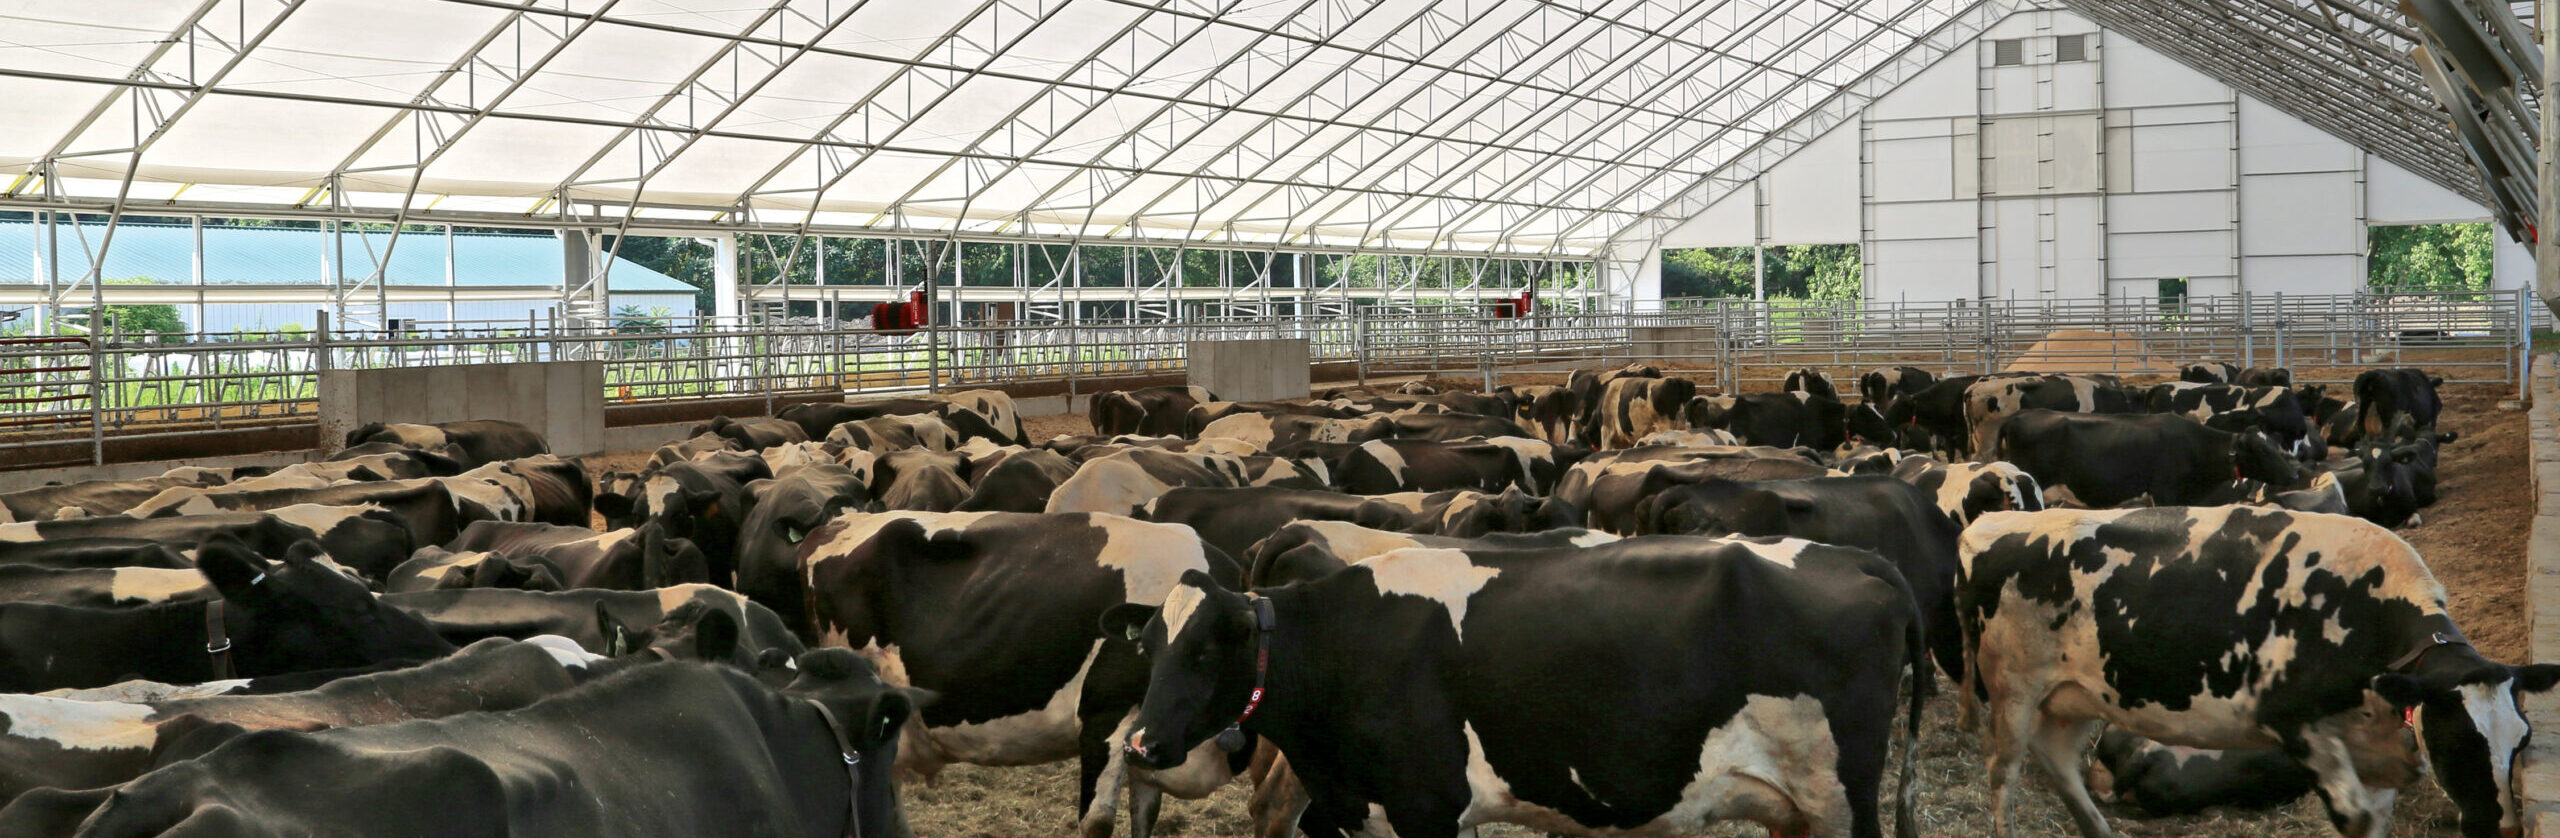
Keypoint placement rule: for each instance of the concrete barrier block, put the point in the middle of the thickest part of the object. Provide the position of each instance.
(563, 399)
(1251, 370)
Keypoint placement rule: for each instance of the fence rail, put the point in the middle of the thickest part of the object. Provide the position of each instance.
(58, 389)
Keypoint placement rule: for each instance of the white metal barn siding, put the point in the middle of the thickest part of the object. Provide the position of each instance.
(1974, 182)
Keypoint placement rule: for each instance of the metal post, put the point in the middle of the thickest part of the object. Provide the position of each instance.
(2524, 344)
(2279, 331)
(2248, 332)
(932, 332)
(99, 389)
(1985, 351)
(764, 361)
(1360, 344)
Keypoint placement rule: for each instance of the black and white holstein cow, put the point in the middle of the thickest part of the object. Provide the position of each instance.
(479, 440)
(1964, 491)
(1148, 411)
(91, 497)
(1451, 688)
(1022, 482)
(2210, 372)
(999, 613)
(2107, 459)
(1635, 407)
(366, 540)
(2228, 407)
(1882, 387)
(2237, 627)
(2386, 395)
(1990, 403)
(644, 557)
(1549, 410)
(296, 615)
(591, 617)
(671, 749)
(1810, 380)
(1386, 466)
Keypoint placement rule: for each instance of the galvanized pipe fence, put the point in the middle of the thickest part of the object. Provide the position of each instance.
(56, 389)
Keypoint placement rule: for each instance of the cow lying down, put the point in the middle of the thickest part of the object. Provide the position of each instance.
(672, 749)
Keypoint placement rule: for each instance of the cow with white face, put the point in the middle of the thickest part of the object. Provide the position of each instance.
(2237, 627)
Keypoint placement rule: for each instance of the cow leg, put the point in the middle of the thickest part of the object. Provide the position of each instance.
(1144, 802)
(1103, 773)
(2057, 746)
(2004, 737)
(1278, 800)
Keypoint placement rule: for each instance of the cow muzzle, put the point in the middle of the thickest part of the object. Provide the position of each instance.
(1158, 756)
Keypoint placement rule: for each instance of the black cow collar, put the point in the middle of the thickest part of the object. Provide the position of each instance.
(2435, 641)
(852, 768)
(1232, 739)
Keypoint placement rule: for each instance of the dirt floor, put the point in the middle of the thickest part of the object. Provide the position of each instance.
(2473, 538)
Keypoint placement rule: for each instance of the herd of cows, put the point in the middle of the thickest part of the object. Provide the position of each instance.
(1622, 605)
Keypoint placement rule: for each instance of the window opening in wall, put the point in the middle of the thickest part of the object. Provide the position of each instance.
(1795, 272)
(2429, 257)
(2071, 48)
(2007, 53)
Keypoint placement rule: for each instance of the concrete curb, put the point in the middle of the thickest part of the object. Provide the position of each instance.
(2538, 771)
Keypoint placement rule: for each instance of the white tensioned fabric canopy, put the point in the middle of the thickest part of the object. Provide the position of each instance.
(1566, 128)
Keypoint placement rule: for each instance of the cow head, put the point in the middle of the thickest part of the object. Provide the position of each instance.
(872, 714)
(667, 560)
(1201, 646)
(304, 613)
(1810, 380)
(2471, 730)
(1867, 424)
(2384, 486)
(781, 515)
(2256, 456)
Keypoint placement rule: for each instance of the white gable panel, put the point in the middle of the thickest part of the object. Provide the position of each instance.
(1814, 194)
(2139, 77)
(1727, 223)
(2395, 196)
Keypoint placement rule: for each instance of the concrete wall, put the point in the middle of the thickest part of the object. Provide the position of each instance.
(1673, 343)
(561, 399)
(2538, 777)
(1251, 370)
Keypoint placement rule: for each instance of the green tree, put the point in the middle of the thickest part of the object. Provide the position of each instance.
(2429, 257)
(144, 319)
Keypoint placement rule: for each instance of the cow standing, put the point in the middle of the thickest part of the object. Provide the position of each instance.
(2235, 627)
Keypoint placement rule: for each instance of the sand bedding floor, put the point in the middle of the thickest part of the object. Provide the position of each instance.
(2473, 538)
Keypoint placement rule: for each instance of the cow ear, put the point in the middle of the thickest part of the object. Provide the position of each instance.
(1127, 621)
(2400, 690)
(230, 565)
(2435, 381)
(715, 635)
(617, 636)
(2538, 677)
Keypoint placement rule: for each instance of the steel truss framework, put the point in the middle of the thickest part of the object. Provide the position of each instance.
(1560, 130)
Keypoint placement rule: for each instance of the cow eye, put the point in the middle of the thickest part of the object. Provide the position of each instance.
(794, 534)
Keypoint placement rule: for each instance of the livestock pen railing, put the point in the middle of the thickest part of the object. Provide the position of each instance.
(58, 389)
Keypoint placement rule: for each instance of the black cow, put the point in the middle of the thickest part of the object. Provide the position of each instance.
(2265, 377)
(1810, 380)
(479, 440)
(1788, 420)
(116, 742)
(1457, 687)
(1199, 417)
(389, 461)
(556, 490)
(1150, 411)
(914, 587)
(427, 507)
(676, 749)
(289, 616)
(1614, 494)
(2210, 372)
(369, 542)
(101, 587)
(818, 418)
(1383, 466)
(645, 557)
(784, 511)
(1882, 387)
(753, 434)
(2380, 483)
(2167, 780)
(1939, 409)
(1444, 427)
(94, 497)
(1895, 519)
(1306, 550)
(2386, 395)
(1471, 514)
(589, 616)
(2236, 627)
(108, 553)
(2107, 459)
(1234, 519)
(437, 569)
(1022, 482)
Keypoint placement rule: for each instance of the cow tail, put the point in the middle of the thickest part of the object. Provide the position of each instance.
(1923, 682)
